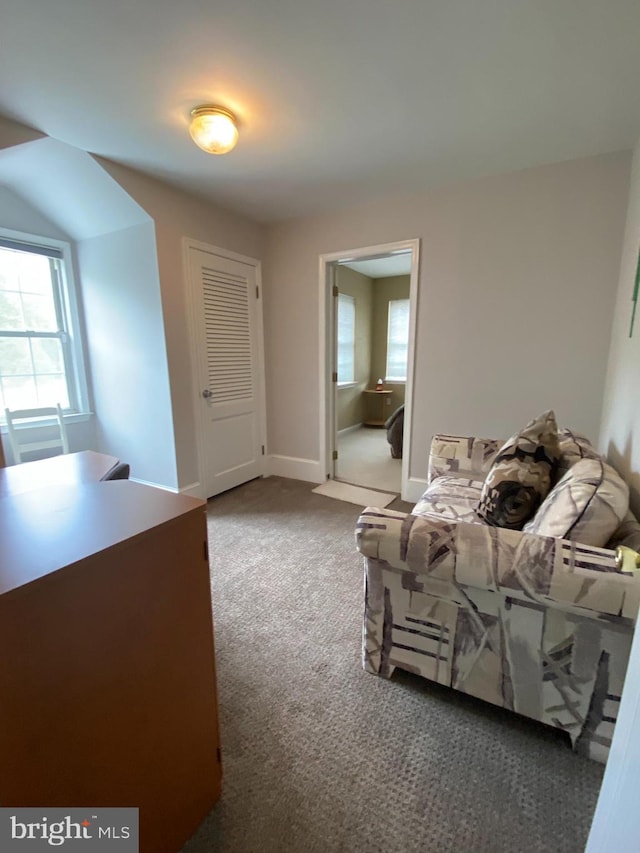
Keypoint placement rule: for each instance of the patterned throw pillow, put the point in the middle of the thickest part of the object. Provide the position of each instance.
(586, 506)
(573, 447)
(520, 477)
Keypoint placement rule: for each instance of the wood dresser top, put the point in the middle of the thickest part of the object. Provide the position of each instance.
(67, 469)
(46, 529)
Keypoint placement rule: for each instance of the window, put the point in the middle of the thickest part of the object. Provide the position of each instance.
(397, 340)
(40, 355)
(346, 338)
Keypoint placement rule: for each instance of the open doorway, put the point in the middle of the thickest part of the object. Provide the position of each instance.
(370, 303)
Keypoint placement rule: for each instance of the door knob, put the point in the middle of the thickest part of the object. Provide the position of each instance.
(206, 394)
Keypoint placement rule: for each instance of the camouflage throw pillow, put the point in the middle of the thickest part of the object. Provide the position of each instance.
(520, 477)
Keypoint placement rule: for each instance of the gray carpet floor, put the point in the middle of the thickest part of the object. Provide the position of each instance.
(319, 755)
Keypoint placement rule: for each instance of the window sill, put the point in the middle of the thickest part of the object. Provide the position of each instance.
(395, 381)
(78, 417)
(348, 384)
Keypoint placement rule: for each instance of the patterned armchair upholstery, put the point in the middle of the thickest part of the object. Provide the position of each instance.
(536, 624)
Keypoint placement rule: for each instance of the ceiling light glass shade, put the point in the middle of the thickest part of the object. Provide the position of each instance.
(213, 129)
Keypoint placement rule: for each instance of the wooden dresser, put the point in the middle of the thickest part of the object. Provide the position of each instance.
(107, 673)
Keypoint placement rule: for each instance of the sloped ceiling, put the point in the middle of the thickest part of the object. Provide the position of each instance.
(69, 188)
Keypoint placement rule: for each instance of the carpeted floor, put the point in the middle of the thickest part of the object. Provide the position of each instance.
(364, 459)
(320, 756)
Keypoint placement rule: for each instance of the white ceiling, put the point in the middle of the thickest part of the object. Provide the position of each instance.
(69, 188)
(339, 101)
(383, 267)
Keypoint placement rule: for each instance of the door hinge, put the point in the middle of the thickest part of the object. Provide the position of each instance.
(335, 290)
(206, 550)
(257, 292)
(263, 449)
(218, 755)
(334, 377)
(335, 454)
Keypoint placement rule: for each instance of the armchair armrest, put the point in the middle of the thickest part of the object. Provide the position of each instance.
(553, 572)
(461, 456)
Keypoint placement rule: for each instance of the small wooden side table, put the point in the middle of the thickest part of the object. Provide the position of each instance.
(381, 405)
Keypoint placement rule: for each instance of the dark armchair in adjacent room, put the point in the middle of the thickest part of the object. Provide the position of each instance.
(394, 426)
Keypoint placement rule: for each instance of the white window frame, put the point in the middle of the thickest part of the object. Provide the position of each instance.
(344, 383)
(73, 349)
(398, 379)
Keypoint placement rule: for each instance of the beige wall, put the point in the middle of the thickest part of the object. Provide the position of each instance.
(517, 281)
(516, 290)
(372, 310)
(616, 823)
(620, 432)
(349, 399)
(384, 290)
(176, 215)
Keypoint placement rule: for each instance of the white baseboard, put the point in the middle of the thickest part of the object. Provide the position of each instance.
(416, 487)
(349, 429)
(294, 468)
(155, 485)
(193, 490)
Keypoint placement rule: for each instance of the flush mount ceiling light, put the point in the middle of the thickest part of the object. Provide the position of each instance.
(213, 128)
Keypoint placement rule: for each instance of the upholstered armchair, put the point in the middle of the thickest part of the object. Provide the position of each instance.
(539, 624)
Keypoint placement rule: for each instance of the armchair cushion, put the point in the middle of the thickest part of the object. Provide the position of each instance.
(586, 505)
(453, 498)
(461, 456)
(520, 477)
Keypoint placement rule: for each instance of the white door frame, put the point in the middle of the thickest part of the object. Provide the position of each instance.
(326, 335)
(192, 301)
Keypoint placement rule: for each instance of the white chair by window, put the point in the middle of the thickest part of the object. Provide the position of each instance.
(19, 438)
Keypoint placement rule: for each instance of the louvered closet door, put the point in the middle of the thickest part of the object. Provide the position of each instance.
(229, 392)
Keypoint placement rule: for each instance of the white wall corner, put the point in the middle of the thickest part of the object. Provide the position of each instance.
(347, 430)
(309, 470)
(193, 490)
(156, 485)
(416, 487)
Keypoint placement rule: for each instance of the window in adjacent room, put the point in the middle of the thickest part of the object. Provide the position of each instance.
(40, 353)
(397, 340)
(346, 338)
